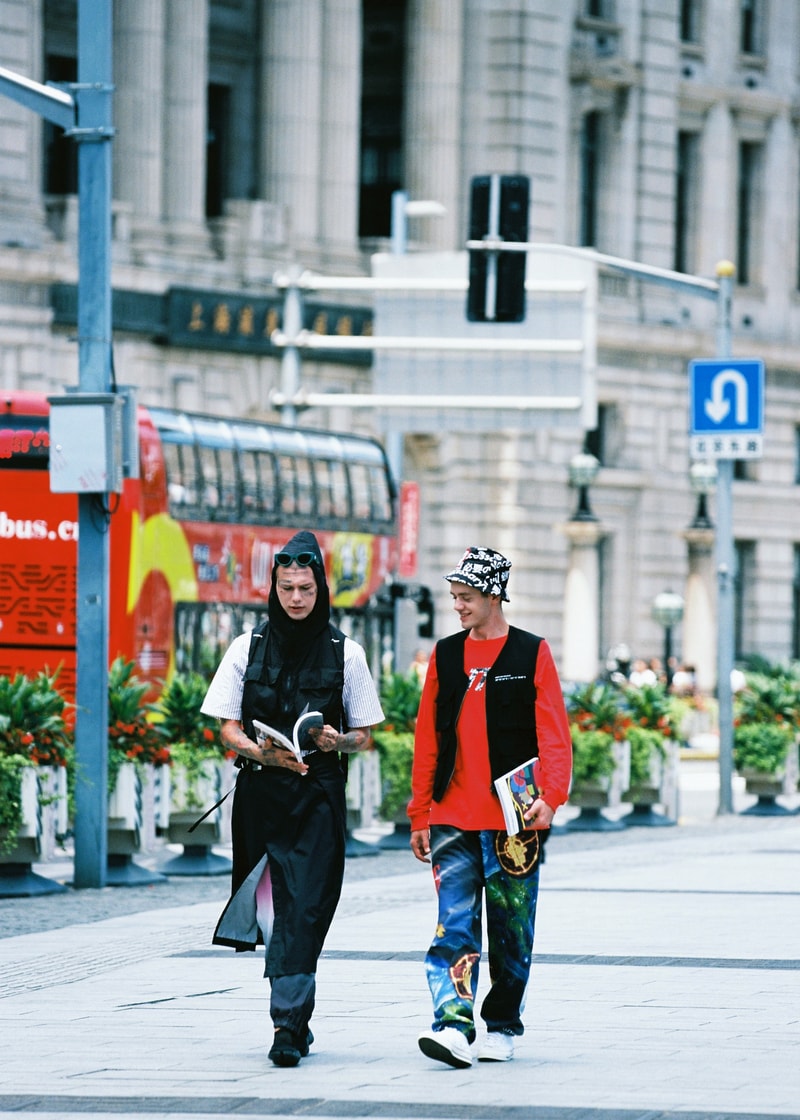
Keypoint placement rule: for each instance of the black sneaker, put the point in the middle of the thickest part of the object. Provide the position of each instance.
(285, 1050)
(304, 1047)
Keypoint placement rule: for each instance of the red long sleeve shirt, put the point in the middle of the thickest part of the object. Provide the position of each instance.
(469, 801)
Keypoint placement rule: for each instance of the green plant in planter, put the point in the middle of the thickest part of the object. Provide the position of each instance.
(651, 707)
(33, 732)
(762, 747)
(191, 736)
(592, 756)
(11, 768)
(394, 740)
(33, 719)
(769, 698)
(396, 752)
(132, 736)
(599, 707)
(643, 741)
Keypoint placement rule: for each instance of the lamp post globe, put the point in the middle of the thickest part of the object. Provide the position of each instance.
(703, 479)
(583, 469)
(668, 612)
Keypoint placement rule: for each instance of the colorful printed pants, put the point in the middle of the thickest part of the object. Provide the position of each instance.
(465, 866)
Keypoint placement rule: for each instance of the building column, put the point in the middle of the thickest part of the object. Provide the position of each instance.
(185, 117)
(139, 35)
(432, 119)
(716, 222)
(700, 615)
(291, 93)
(22, 223)
(341, 114)
(581, 635)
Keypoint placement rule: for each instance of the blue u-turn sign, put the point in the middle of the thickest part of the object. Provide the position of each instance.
(726, 408)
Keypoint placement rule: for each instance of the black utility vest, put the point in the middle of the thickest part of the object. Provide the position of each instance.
(510, 700)
(318, 687)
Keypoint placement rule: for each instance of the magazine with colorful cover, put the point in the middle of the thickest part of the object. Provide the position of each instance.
(300, 740)
(517, 790)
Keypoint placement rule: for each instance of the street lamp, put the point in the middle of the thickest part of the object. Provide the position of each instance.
(583, 469)
(703, 478)
(668, 611)
(404, 208)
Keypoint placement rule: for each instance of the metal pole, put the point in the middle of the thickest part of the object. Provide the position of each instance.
(290, 360)
(399, 227)
(725, 564)
(94, 132)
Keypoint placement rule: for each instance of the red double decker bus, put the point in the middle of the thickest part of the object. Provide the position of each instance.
(192, 539)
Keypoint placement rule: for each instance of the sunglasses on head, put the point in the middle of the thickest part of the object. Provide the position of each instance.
(302, 559)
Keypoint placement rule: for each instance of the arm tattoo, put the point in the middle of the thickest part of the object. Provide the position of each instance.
(353, 741)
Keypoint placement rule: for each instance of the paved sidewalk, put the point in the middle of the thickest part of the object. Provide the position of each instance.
(666, 984)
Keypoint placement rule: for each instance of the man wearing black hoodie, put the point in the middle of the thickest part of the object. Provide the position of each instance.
(289, 816)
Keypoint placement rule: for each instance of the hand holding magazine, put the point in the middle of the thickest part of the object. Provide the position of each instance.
(517, 791)
(300, 740)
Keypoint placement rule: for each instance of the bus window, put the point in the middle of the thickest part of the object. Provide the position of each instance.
(381, 498)
(252, 497)
(359, 489)
(288, 484)
(330, 478)
(341, 495)
(209, 471)
(305, 486)
(179, 465)
(229, 482)
(323, 484)
(268, 472)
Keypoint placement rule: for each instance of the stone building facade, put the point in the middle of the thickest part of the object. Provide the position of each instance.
(254, 135)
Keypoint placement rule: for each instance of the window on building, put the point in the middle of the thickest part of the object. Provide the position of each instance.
(686, 200)
(751, 35)
(600, 9)
(595, 441)
(217, 156)
(234, 127)
(748, 205)
(60, 152)
(796, 605)
(382, 71)
(744, 605)
(689, 21)
(590, 155)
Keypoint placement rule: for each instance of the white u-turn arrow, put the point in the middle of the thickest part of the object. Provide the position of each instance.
(717, 406)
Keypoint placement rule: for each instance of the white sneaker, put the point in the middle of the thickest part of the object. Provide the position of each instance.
(448, 1045)
(497, 1047)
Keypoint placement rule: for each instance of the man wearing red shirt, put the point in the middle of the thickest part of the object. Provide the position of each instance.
(492, 700)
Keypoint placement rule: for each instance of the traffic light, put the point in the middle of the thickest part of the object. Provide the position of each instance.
(498, 209)
(424, 601)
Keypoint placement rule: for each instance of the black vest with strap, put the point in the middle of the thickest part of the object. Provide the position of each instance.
(317, 687)
(510, 704)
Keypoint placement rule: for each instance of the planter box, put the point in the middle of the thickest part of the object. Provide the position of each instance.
(661, 786)
(191, 797)
(44, 814)
(125, 812)
(592, 795)
(606, 792)
(781, 783)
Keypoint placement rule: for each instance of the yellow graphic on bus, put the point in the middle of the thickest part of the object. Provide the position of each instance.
(351, 567)
(159, 545)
